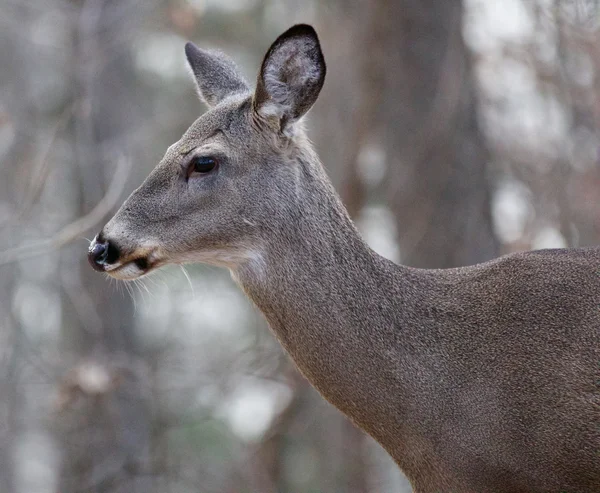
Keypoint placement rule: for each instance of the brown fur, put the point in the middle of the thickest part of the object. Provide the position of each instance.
(482, 379)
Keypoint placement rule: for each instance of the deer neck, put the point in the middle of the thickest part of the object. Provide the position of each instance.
(320, 286)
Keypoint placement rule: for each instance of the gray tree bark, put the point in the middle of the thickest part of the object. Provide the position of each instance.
(425, 96)
(105, 423)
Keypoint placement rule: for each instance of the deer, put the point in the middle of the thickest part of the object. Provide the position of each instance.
(477, 379)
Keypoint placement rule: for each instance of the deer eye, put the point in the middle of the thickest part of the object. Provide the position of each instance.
(202, 164)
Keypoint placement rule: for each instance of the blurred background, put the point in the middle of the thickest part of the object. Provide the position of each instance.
(454, 130)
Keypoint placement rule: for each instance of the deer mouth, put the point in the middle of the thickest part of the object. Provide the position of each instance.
(132, 269)
(107, 256)
(135, 265)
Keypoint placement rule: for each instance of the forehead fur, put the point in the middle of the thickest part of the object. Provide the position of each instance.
(231, 116)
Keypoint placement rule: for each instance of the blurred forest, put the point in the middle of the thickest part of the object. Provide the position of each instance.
(454, 130)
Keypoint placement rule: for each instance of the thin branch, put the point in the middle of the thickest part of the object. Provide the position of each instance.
(75, 229)
(42, 168)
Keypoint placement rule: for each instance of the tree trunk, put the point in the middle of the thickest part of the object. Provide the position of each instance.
(426, 112)
(103, 392)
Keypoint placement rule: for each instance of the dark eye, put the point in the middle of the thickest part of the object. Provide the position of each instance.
(202, 164)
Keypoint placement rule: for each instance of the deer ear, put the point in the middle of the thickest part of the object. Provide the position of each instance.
(216, 75)
(290, 78)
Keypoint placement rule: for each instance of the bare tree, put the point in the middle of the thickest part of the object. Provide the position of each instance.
(106, 436)
(422, 105)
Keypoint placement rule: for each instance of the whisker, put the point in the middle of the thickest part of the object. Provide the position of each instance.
(144, 285)
(132, 294)
(151, 278)
(187, 276)
(160, 276)
(136, 283)
(116, 285)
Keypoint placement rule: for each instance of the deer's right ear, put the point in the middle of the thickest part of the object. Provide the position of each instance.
(291, 77)
(216, 75)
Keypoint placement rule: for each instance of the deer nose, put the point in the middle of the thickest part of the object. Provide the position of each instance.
(102, 253)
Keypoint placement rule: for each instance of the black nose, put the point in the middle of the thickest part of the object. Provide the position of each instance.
(102, 253)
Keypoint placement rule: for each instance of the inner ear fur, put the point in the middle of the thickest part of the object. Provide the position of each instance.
(291, 76)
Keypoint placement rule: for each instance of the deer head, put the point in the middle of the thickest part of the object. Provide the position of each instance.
(233, 177)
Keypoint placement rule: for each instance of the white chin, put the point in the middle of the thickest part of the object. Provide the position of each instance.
(127, 272)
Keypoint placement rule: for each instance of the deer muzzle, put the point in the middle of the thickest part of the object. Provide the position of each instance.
(106, 256)
(102, 253)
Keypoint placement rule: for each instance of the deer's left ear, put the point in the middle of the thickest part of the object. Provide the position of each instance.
(291, 77)
(216, 75)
